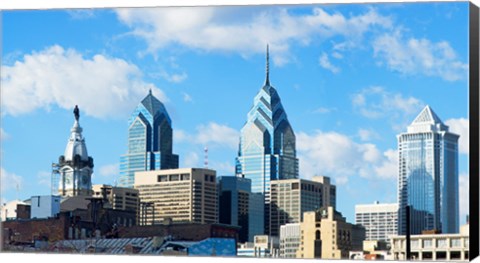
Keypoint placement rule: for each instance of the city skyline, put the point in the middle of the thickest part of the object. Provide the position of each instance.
(347, 92)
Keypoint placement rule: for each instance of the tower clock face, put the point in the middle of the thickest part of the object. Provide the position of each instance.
(68, 180)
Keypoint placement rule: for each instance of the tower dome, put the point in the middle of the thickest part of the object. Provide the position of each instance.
(75, 166)
(76, 144)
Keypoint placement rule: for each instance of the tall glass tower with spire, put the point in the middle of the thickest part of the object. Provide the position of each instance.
(428, 175)
(149, 141)
(267, 144)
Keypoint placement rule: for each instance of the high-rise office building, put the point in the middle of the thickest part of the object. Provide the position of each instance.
(380, 220)
(428, 175)
(180, 195)
(75, 167)
(150, 141)
(267, 143)
(290, 198)
(238, 206)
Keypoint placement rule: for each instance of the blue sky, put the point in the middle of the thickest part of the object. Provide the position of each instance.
(351, 77)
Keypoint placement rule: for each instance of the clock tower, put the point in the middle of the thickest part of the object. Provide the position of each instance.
(75, 166)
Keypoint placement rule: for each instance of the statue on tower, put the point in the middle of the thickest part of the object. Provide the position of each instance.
(76, 112)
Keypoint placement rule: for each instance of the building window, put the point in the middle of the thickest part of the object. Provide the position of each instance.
(456, 242)
(427, 243)
(442, 243)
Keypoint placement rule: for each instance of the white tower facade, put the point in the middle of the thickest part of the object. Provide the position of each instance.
(75, 166)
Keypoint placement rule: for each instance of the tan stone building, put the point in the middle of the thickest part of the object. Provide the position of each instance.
(326, 234)
(179, 195)
(290, 198)
(120, 198)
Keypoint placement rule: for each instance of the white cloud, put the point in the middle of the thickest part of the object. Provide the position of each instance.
(4, 135)
(174, 78)
(9, 181)
(187, 97)
(461, 127)
(324, 110)
(326, 64)
(211, 134)
(464, 195)
(218, 28)
(413, 56)
(388, 168)
(55, 76)
(376, 102)
(222, 168)
(44, 178)
(337, 55)
(336, 155)
(109, 170)
(191, 159)
(81, 14)
(367, 134)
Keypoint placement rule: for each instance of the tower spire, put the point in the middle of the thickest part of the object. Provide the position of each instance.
(267, 79)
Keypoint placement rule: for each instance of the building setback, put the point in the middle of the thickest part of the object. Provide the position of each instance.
(290, 198)
(428, 175)
(267, 144)
(180, 195)
(121, 198)
(380, 220)
(327, 235)
(150, 141)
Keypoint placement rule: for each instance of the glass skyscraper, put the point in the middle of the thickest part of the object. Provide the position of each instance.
(428, 175)
(149, 141)
(267, 143)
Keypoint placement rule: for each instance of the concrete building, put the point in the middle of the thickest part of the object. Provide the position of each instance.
(289, 240)
(121, 198)
(95, 221)
(290, 198)
(326, 234)
(8, 211)
(44, 206)
(440, 247)
(238, 206)
(75, 167)
(428, 175)
(380, 220)
(179, 195)
(263, 247)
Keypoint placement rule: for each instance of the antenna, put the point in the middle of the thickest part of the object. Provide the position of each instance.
(55, 179)
(206, 157)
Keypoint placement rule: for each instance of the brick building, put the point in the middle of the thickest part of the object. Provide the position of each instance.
(76, 224)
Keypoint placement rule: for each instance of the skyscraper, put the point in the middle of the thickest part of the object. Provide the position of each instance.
(75, 166)
(267, 143)
(428, 175)
(149, 141)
